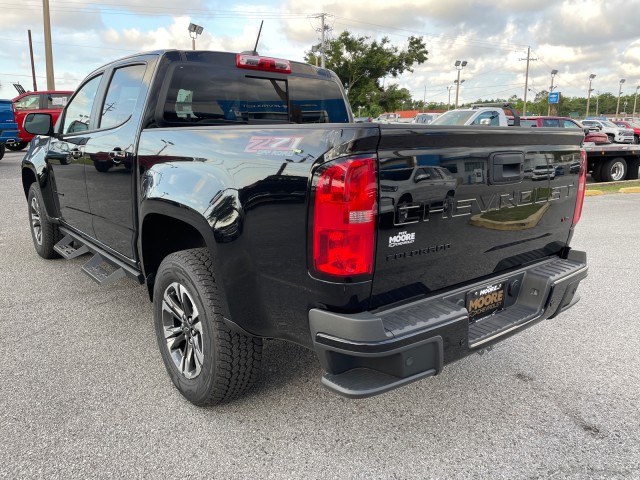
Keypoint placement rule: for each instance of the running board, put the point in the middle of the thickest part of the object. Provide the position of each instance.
(103, 268)
(98, 270)
(66, 249)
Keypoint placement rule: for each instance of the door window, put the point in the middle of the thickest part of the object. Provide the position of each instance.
(569, 124)
(57, 100)
(30, 102)
(122, 95)
(78, 115)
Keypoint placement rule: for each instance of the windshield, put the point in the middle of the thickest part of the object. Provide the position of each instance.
(609, 124)
(454, 117)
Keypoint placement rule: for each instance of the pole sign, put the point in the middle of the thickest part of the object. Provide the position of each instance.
(554, 97)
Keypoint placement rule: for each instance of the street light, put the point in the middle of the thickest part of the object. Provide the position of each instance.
(553, 74)
(194, 31)
(622, 80)
(460, 64)
(591, 77)
(635, 101)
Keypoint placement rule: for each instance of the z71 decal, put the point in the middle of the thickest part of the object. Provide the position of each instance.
(280, 146)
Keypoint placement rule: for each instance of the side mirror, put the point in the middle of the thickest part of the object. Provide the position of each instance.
(485, 121)
(39, 124)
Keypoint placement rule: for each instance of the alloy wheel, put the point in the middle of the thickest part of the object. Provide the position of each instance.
(183, 330)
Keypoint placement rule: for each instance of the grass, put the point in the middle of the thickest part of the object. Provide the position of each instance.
(613, 187)
(512, 214)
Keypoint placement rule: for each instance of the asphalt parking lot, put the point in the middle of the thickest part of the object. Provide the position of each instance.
(84, 393)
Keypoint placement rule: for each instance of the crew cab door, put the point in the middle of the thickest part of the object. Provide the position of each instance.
(66, 157)
(110, 152)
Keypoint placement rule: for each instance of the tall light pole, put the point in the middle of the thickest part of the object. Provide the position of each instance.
(48, 53)
(194, 31)
(597, 101)
(622, 80)
(591, 77)
(553, 74)
(460, 64)
(449, 102)
(635, 101)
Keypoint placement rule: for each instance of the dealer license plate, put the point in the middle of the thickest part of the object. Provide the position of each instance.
(485, 301)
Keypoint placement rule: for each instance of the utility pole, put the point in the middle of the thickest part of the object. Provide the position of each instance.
(553, 74)
(322, 42)
(526, 80)
(33, 68)
(48, 53)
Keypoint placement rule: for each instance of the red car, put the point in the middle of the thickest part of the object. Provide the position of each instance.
(564, 122)
(633, 126)
(48, 101)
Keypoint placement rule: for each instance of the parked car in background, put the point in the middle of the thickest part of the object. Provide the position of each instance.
(425, 118)
(592, 135)
(633, 126)
(8, 127)
(614, 132)
(49, 101)
(387, 118)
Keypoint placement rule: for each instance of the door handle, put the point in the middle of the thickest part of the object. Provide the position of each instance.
(117, 155)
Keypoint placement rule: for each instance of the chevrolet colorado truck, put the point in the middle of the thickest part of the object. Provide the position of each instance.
(238, 190)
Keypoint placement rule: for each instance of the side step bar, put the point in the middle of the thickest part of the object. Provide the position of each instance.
(102, 267)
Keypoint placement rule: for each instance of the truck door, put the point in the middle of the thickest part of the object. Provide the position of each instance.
(67, 157)
(110, 150)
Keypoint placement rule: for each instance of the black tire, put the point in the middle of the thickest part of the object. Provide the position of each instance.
(636, 139)
(1, 150)
(17, 146)
(612, 138)
(222, 364)
(595, 173)
(44, 233)
(614, 170)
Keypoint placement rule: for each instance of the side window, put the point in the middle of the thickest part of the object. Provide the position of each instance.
(57, 100)
(569, 124)
(122, 95)
(78, 115)
(488, 118)
(30, 102)
(550, 122)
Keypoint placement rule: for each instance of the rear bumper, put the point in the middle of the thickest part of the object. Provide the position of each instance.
(369, 353)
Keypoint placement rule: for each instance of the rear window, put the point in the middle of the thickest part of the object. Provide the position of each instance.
(205, 94)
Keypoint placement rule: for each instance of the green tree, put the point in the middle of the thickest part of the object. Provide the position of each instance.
(362, 64)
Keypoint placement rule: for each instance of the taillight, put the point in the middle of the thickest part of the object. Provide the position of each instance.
(256, 62)
(582, 184)
(345, 206)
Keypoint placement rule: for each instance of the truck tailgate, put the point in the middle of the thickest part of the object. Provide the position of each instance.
(461, 203)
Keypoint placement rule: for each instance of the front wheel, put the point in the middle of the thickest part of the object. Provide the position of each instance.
(44, 233)
(612, 138)
(1, 150)
(206, 361)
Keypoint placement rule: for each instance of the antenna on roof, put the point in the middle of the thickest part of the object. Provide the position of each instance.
(255, 49)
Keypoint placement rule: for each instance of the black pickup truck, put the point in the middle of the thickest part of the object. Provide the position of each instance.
(238, 190)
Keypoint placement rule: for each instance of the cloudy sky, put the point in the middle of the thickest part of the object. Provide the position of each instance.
(575, 37)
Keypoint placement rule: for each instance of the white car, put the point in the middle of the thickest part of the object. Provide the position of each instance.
(542, 172)
(615, 133)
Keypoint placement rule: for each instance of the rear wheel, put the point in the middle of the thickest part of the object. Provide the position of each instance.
(44, 233)
(614, 170)
(636, 139)
(206, 361)
(17, 146)
(595, 173)
(1, 150)
(611, 138)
